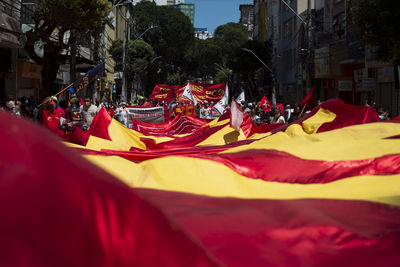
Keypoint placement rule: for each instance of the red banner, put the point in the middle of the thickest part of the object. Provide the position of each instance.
(201, 92)
(160, 92)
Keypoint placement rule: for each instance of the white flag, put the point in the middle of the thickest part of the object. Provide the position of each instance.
(188, 94)
(240, 98)
(220, 106)
(236, 116)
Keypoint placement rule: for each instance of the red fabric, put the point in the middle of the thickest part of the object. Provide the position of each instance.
(170, 96)
(185, 141)
(247, 125)
(99, 125)
(163, 92)
(304, 232)
(264, 103)
(61, 111)
(271, 165)
(51, 120)
(280, 106)
(201, 92)
(346, 115)
(147, 105)
(181, 124)
(309, 99)
(138, 155)
(167, 114)
(111, 112)
(57, 209)
(397, 118)
(263, 128)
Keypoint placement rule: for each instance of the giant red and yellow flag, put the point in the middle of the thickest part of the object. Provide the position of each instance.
(323, 191)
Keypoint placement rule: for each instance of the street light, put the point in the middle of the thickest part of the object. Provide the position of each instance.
(148, 29)
(273, 74)
(124, 92)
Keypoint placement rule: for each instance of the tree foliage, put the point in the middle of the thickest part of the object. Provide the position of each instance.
(54, 19)
(141, 55)
(201, 59)
(247, 66)
(376, 22)
(171, 35)
(229, 37)
(172, 32)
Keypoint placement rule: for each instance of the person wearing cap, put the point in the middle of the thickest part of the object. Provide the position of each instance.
(205, 110)
(88, 111)
(50, 117)
(58, 108)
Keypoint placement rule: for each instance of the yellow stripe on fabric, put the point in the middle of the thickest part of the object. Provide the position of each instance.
(259, 135)
(215, 123)
(205, 177)
(73, 145)
(224, 136)
(350, 143)
(312, 124)
(123, 136)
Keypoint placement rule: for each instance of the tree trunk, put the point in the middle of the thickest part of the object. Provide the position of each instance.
(49, 74)
(49, 62)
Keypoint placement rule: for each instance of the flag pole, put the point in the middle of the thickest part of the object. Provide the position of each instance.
(69, 86)
(301, 113)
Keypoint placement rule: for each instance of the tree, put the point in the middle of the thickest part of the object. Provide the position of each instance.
(223, 75)
(248, 68)
(172, 32)
(376, 22)
(201, 58)
(54, 20)
(229, 37)
(141, 56)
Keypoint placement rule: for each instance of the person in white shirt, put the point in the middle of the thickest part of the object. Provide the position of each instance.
(88, 111)
(277, 118)
(123, 114)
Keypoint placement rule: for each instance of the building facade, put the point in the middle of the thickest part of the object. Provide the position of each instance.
(315, 45)
(202, 33)
(188, 9)
(10, 42)
(247, 19)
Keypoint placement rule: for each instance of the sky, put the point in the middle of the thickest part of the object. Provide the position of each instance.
(212, 13)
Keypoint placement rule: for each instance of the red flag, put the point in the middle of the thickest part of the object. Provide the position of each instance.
(280, 106)
(309, 99)
(236, 115)
(170, 96)
(264, 103)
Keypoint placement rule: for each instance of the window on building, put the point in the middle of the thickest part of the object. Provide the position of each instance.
(287, 29)
(339, 25)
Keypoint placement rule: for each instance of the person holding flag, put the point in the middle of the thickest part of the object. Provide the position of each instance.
(308, 101)
(265, 104)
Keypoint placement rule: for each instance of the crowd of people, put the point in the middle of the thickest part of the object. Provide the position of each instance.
(61, 116)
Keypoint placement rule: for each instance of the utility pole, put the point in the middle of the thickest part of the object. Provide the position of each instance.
(72, 65)
(310, 47)
(125, 54)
